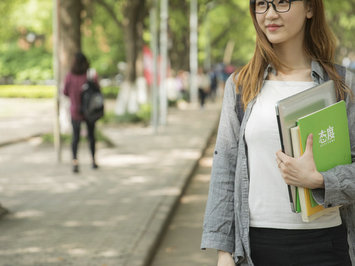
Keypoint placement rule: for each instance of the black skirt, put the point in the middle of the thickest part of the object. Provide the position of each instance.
(316, 247)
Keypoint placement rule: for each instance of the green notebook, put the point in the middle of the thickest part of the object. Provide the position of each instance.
(331, 141)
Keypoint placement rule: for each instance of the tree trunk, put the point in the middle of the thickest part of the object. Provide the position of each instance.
(70, 35)
(68, 44)
(133, 87)
(134, 11)
(180, 48)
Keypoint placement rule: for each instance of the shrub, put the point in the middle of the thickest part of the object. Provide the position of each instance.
(32, 65)
(110, 92)
(43, 91)
(142, 116)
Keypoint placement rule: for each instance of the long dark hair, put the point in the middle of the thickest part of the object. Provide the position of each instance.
(80, 64)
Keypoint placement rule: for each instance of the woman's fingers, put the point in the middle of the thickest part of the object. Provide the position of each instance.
(309, 145)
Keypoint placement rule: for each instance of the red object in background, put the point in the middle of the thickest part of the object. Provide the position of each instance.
(229, 69)
(148, 65)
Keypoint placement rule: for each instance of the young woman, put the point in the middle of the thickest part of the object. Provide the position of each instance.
(74, 81)
(248, 218)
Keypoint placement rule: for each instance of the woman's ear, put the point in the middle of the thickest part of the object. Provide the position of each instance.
(309, 11)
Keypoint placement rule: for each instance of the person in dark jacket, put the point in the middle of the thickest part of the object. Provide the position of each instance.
(74, 81)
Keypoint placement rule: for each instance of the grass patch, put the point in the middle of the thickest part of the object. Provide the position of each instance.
(110, 92)
(44, 91)
(27, 91)
(142, 116)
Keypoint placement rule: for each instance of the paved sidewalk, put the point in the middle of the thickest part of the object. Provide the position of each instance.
(112, 216)
(180, 245)
(21, 119)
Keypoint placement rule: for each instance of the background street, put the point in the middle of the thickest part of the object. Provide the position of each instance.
(113, 216)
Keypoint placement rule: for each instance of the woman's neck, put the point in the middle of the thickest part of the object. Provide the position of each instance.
(298, 65)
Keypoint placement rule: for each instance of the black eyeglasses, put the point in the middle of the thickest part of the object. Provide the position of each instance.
(280, 6)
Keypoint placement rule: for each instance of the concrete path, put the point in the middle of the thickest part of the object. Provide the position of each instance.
(112, 216)
(181, 242)
(21, 119)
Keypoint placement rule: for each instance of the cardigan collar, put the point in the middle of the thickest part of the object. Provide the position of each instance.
(317, 72)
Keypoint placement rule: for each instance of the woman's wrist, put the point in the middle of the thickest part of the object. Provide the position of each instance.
(225, 259)
(222, 253)
(318, 180)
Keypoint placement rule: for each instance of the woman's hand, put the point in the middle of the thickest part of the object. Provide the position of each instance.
(302, 171)
(225, 259)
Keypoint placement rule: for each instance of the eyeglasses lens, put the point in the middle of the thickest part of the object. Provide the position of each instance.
(280, 6)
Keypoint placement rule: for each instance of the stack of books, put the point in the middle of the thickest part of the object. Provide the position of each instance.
(314, 111)
(331, 147)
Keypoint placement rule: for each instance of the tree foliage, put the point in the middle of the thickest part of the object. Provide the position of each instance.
(228, 21)
(340, 15)
(127, 25)
(114, 30)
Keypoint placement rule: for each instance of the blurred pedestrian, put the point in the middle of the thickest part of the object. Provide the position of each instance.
(183, 84)
(172, 88)
(203, 81)
(248, 216)
(74, 81)
(214, 84)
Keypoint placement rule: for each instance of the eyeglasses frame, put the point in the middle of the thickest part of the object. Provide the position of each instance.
(253, 2)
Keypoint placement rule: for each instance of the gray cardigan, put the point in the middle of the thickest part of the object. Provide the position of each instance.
(226, 223)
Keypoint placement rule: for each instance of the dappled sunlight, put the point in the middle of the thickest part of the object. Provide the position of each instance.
(46, 184)
(19, 251)
(206, 162)
(78, 252)
(203, 178)
(114, 221)
(72, 224)
(69, 187)
(135, 180)
(125, 160)
(27, 214)
(102, 223)
(184, 153)
(168, 191)
(57, 188)
(193, 198)
(109, 253)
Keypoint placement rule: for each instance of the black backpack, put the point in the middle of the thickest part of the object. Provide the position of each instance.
(92, 101)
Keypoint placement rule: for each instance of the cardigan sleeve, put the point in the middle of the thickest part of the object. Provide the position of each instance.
(219, 222)
(340, 181)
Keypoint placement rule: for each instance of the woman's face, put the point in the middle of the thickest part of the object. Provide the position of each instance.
(284, 27)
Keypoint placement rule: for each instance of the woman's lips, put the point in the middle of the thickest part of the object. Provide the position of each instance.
(273, 27)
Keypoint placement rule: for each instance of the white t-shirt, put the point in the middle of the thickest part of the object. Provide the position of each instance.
(268, 196)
